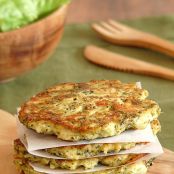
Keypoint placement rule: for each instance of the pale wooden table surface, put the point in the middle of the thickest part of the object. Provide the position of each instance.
(87, 10)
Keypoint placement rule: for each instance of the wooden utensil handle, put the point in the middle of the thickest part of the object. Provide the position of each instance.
(158, 44)
(159, 71)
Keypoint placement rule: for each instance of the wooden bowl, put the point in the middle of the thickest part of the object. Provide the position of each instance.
(23, 49)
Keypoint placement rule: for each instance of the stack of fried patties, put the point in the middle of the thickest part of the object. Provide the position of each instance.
(100, 128)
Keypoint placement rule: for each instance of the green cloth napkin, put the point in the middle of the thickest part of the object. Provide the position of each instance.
(68, 64)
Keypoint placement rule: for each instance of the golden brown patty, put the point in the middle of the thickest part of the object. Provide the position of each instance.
(75, 111)
(136, 168)
(89, 163)
(156, 126)
(89, 150)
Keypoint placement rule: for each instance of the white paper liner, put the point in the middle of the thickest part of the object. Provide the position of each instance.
(139, 85)
(156, 150)
(141, 148)
(37, 141)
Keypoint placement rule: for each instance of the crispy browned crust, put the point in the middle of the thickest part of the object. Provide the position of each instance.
(40, 107)
(59, 105)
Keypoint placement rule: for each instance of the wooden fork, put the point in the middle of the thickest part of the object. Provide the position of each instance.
(120, 34)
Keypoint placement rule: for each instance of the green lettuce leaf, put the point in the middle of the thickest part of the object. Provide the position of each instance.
(17, 13)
